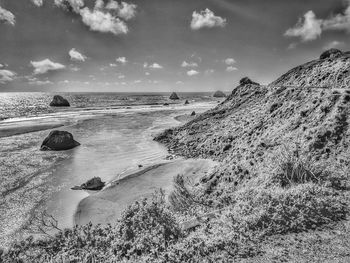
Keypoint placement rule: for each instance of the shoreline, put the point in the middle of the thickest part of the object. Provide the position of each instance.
(107, 205)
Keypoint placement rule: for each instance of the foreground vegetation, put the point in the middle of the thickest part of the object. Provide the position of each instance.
(230, 222)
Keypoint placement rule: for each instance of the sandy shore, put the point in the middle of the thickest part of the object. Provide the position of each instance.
(107, 205)
(26, 127)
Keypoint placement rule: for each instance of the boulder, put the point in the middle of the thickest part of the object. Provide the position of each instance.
(219, 94)
(94, 184)
(331, 53)
(193, 113)
(166, 104)
(174, 96)
(58, 141)
(186, 102)
(59, 101)
(247, 81)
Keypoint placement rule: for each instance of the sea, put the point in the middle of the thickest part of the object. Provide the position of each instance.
(116, 132)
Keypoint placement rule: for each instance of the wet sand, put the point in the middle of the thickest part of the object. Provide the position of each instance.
(107, 205)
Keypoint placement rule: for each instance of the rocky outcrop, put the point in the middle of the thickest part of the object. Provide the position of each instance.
(94, 184)
(193, 113)
(174, 96)
(331, 53)
(59, 141)
(247, 81)
(59, 101)
(186, 102)
(219, 94)
(332, 70)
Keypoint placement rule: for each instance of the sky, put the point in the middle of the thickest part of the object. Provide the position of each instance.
(161, 45)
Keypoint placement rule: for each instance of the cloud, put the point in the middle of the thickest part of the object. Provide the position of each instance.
(147, 73)
(40, 82)
(230, 61)
(103, 22)
(207, 19)
(43, 66)
(102, 18)
(70, 5)
(152, 66)
(122, 60)
(189, 64)
(7, 75)
(231, 68)
(308, 28)
(113, 65)
(124, 10)
(209, 71)
(333, 44)
(7, 17)
(192, 72)
(38, 2)
(76, 56)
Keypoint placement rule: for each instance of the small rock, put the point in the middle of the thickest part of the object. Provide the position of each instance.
(219, 94)
(94, 184)
(140, 165)
(59, 101)
(174, 96)
(186, 102)
(59, 141)
(193, 113)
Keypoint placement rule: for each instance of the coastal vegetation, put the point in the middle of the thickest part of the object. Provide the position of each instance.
(280, 193)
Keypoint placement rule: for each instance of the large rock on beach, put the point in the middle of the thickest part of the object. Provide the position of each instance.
(94, 184)
(174, 96)
(219, 94)
(59, 101)
(247, 81)
(59, 141)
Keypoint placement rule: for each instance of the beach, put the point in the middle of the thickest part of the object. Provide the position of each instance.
(114, 142)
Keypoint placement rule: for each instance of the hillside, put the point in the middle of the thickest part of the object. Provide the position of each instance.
(274, 142)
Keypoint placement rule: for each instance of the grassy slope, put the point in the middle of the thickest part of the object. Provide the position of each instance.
(249, 132)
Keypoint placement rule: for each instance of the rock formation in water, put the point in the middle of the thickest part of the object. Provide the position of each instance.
(59, 101)
(219, 94)
(174, 96)
(186, 102)
(94, 184)
(193, 113)
(59, 141)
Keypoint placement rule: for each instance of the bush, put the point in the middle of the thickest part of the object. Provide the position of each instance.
(146, 227)
(279, 211)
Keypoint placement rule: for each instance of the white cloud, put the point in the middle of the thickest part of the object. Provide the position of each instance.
(113, 65)
(209, 71)
(207, 19)
(38, 2)
(121, 77)
(1, 65)
(103, 22)
(122, 60)
(152, 66)
(124, 10)
(7, 75)
(40, 82)
(68, 5)
(333, 44)
(308, 28)
(179, 82)
(231, 68)
(137, 81)
(230, 61)
(147, 73)
(42, 67)
(192, 72)
(189, 64)
(7, 17)
(76, 56)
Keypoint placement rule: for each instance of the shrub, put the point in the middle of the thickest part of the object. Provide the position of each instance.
(146, 227)
(279, 211)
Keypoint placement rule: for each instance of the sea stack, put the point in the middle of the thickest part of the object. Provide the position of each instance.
(174, 96)
(186, 102)
(219, 94)
(59, 101)
(59, 141)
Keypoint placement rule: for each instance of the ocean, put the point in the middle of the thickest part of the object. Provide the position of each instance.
(116, 133)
